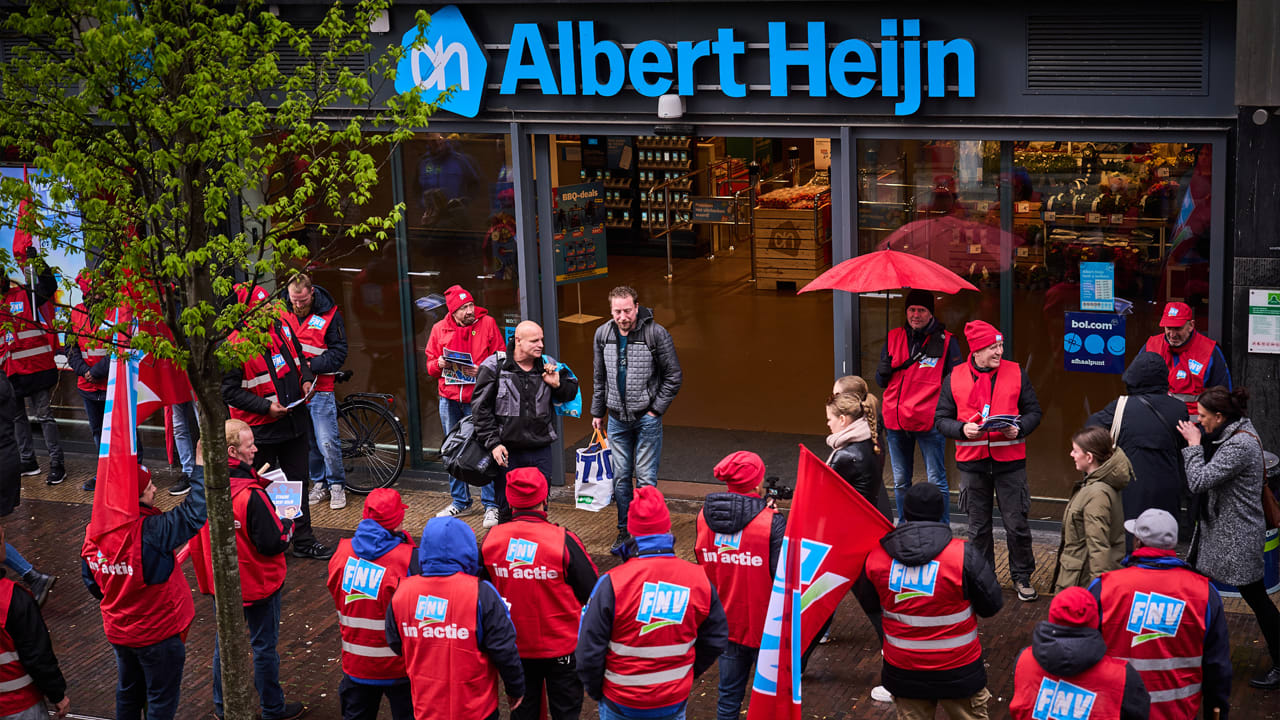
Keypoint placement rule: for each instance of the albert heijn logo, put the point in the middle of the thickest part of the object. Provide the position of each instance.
(1060, 700)
(728, 541)
(431, 609)
(361, 579)
(448, 60)
(521, 551)
(662, 604)
(912, 581)
(1153, 616)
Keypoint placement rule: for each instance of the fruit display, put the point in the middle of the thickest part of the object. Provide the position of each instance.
(793, 198)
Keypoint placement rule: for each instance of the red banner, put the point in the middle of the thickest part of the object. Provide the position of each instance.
(115, 500)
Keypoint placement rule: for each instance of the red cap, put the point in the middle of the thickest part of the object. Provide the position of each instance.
(742, 471)
(250, 298)
(526, 487)
(981, 334)
(648, 514)
(384, 507)
(144, 479)
(1176, 314)
(1074, 607)
(455, 297)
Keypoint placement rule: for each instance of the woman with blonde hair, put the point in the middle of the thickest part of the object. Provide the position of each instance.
(853, 444)
(1093, 523)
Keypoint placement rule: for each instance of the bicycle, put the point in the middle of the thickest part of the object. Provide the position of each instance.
(373, 440)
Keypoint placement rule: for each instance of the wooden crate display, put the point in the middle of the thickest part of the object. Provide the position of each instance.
(791, 245)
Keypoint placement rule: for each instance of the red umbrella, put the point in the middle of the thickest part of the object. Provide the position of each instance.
(888, 270)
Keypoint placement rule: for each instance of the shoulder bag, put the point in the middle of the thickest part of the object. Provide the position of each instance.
(1118, 417)
(1270, 507)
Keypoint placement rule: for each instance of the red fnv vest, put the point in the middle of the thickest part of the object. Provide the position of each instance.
(1003, 400)
(1095, 694)
(912, 395)
(362, 590)
(260, 575)
(928, 623)
(28, 345)
(526, 561)
(1186, 378)
(22, 692)
(257, 378)
(738, 566)
(310, 333)
(92, 350)
(449, 677)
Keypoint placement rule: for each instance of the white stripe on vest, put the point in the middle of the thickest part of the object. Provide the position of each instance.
(943, 644)
(653, 678)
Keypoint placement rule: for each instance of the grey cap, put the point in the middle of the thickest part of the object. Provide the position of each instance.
(1155, 528)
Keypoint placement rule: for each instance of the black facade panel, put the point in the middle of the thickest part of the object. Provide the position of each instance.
(1118, 55)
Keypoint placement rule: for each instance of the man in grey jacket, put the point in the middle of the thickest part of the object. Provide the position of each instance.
(637, 375)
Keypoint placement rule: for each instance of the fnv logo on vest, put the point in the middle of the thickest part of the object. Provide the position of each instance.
(431, 609)
(728, 541)
(1195, 366)
(1153, 616)
(315, 322)
(727, 552)
(662, 604)
(913, 581)
(521, 551)
(448, 67)
(1060, 700)
(361, 579)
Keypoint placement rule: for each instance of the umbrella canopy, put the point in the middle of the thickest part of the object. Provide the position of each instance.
(888, 270)
(959, 244)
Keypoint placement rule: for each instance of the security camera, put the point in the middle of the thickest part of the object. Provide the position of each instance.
(670, 107)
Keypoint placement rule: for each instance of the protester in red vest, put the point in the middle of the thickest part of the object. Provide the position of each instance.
(1167, 621)
(994, 462)
(654, 623)
(916, 359)
(738, 544)
(363, 574)
(453, 631)
(546, 576)
(27, 348)
(1194, 360)
(86, 349)
(1066, 672)
(470, 329)
(29, 675)
(928, 588)
(146, 601)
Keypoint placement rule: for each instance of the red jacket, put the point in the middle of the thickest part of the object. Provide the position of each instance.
(481, 339)
(738, 566)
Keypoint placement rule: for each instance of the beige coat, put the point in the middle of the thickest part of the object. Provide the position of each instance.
(1093, 525)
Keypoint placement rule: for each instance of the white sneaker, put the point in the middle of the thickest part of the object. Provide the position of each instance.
(337, 497)
(490, 517)
(879, 694)
(454, 511)
(319, 493)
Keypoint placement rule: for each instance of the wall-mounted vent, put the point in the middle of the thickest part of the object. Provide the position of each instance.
(1118, 55)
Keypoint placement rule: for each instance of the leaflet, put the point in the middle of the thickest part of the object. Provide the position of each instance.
(285, 494)
(302, 400)
(994, 423)
(459, 368)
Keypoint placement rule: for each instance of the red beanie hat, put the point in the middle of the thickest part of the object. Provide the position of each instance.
(742, 471)
(981, 334)
(1074, 607)
(455, 297)
(144, 479)
(526, 487)
(384, 507)
(648, 514)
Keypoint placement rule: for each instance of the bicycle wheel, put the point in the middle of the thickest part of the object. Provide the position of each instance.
(373, 445)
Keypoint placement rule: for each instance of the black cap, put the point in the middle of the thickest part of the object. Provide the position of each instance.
(924, 501)
(923, 298)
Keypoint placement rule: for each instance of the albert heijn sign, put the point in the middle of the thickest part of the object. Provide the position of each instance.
(575, 58)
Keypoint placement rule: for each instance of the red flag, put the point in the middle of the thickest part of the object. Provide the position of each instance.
(115, 501)
(22, 240)
(159, 383)
(830, 530)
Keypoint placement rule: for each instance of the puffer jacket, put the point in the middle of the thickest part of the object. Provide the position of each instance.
(1227, 469)
(653, 370)
(1066, 651)
(728, 513)
(1093, 524)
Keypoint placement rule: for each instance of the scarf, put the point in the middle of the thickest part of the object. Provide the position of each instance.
(857, 431)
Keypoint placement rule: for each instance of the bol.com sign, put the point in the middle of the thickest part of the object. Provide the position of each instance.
(450, 59)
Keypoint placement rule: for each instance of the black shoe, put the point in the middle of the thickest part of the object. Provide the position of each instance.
(182, 487)
(1269, 680)
(90, 484)
(313, 550)
(57, 474)
(291, 711)
(39, 584)
(623, 538)
(30, 467)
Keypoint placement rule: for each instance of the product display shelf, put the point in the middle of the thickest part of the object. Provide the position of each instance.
(791, 245)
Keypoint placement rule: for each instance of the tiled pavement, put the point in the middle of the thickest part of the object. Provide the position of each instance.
(49, 528)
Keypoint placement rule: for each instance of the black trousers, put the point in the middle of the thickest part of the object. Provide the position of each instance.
(291, 457)
(1268, 617)
(361, 702)
(564, 689)
(1010, 490)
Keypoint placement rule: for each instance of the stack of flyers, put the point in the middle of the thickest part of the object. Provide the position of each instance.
(994, 423)
(459, 368)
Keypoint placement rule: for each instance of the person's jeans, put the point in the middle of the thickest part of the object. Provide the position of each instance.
(325, 459)
(1009, 488)
(150, 680)
(608, 713)
(185, 432)
(451, 413)
(902, 453)
(263, 619)
(735, 672)
(517, 458)
(35, 712)
(634, 449)
(94, 407)
(38, 403)
(14, 560)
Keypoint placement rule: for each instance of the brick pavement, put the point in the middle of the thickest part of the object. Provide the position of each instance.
(49, 528)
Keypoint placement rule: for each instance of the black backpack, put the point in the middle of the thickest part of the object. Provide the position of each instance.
(465, 457)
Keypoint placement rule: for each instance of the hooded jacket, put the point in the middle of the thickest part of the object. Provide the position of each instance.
(1093, 524)
(729, 513)
(480, 339)
(653, 375)
(1067, 651)
(335, 336)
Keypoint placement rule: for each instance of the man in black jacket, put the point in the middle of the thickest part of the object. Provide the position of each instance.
(513, 406)
(25, 629)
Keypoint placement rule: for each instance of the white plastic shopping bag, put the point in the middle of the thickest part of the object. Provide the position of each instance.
(593, 485)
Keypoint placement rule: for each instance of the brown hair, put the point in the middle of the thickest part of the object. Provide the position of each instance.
(301, 280)
(1096, 441)
(857, 405)
(1232, 404)
(624, 291)
(233, 428)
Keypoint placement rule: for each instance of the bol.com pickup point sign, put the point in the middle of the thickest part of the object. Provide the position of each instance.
(1094, 342)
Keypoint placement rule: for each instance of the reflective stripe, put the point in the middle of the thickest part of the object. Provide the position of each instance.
(930, 620)
(31, 353)
(28, 334)
(943, 644)
(1155, 664)
(366, 651)
(656, 651)
(8, 657)
(312, 349)
(653, 678)
(1002, 443)
(362, 623)
(95, 353)
(1175, 694)
(255, 382)
(15, 684)
(970, 443)
(1185, 397)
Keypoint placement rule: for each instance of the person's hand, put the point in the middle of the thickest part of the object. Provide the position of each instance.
(440, 362)
(971, 431)
(1190, 432)
(306, 389)
(597, 423)
(652, 414)
(277, 410)
(61, 709)
(551, 375)
(88, 375)
(514, 702)
(1010, 432)
(500, 455)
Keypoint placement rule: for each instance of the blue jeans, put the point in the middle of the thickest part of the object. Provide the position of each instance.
(324, 464)
(93, 411)
(735, 672)
(263, 619)
(608, 713)
(451, 413)
(634, 448)
(14, 560)
(185, 432)
(150, 679)
(902, 453)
